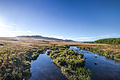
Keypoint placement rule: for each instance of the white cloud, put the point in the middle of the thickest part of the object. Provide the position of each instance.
(112, 35)
(7, 30)
(4, 26)
(54, 36)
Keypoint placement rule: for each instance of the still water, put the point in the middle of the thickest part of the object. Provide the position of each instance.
(44, 69)
(104, 69)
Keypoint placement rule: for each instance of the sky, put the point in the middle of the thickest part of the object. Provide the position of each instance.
(80, 20)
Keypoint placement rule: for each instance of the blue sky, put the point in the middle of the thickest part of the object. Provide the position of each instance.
(81, 20)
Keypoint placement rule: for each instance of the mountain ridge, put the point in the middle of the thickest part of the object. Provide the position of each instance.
(42, 37)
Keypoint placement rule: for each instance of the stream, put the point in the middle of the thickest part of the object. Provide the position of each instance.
(44, 69)
(104, 69)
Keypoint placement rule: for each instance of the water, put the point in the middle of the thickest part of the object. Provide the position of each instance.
(105, 69)
(44, 69)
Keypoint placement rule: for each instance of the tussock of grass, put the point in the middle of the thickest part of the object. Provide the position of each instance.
(70, 62)
(101, 50)
(15, 61)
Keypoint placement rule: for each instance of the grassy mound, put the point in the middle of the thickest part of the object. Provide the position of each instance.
(71, 63)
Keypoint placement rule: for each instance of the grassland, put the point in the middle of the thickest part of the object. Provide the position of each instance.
(17, 53)
(109, 51)
(70, 62)
(109, 41)
(15, 58)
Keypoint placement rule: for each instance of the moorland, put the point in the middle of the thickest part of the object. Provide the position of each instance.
(16, 54)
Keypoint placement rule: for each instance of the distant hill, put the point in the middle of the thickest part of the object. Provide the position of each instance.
(48, 38)
(8, 38)
(109, 41)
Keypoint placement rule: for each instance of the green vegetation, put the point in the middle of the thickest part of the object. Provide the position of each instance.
(102, 51)
(15, 59)
(70, 62)
(36, 54)
(109, 41)
(117, 57)
(15, 63)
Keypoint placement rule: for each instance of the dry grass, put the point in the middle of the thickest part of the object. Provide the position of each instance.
(32, 42)
(17, 48)
(74, 43)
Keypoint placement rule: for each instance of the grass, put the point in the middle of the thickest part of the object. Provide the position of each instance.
(109, 51)
(70, 62)
(15, 60)
(109, 41)
(15, 57)
(15, 64)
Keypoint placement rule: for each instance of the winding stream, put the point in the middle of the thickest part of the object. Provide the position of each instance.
(104, 69)
(44, 69)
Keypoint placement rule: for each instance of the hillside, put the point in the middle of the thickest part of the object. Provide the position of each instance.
(109, 41)
(47, 38)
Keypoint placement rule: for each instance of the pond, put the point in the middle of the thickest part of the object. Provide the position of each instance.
(101, 67)
(44, 69)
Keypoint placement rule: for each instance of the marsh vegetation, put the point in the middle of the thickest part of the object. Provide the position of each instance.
(70, 62)
(15, 63)
(114, 41)
(100, 65)
(15, 58)
(109, 51)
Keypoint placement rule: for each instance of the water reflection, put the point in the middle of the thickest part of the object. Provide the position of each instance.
(105, 69)
(44, 69)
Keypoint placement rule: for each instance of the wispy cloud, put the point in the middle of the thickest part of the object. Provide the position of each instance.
(7, 30)
(54, 36)
(92, 38)
(10, 30)
(86, 38)
(4, 26)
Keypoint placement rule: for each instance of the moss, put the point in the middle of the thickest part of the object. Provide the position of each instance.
(81, 73)
(40, 51)
(49, 51)
(15, 63)
(69, 61)
(117, 57)
(35, 55)
(107, 53)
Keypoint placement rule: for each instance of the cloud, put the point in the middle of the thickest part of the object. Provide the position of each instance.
(54, 36)
(86, 38)
(7, 30)
(92, 38)
(4, 26)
